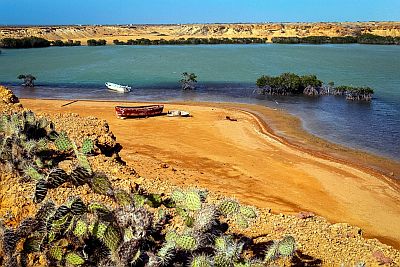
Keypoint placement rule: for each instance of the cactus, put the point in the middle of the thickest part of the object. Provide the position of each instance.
(248, 212)
(241, 221)
(98, 229)
(171, 236)
(186, 242)
(101, 185)
(128, 252)
(32, 244)
(200, 261)
(128, 235)
(112, 238)
(178, 196)
(122, 197)
(139, 200)
(229, 207)
(271, 253)
(80, 228)
(32, 173)
(205, 218)
(166, 253)
(154, 200)
(98, 208)
(87, 146)
(220, 260)
(74, 259)
(40, 191)
(83, 161)
(63, 143)
(42, 123)
(56, 253)
(56, 177)
(287, 246)
(78, 207)
(192, 201)
(79, 175)
(10, 240)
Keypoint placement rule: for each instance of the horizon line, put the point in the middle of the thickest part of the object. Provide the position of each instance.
(195, 23)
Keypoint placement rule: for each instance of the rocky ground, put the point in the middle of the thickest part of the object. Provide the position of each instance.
(319, 242)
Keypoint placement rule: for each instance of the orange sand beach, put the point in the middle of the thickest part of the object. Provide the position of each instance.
(264, 159)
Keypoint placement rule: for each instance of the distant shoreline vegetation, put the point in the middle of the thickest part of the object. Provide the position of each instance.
(192, 41)
(293, 84)
(37, 42)
(361, 39)
(34, 42)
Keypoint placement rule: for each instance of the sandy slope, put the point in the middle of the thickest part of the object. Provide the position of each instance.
(245, 159)
(176, 31)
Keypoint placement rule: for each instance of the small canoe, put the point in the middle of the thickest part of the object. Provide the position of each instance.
(118, 87)
(139, 111)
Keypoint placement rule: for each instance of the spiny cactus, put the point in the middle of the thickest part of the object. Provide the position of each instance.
(192, 200)
(287, 246)
(248, 212)
(178, 196)
(74, 259)
(165, 253)
(112, 238)
(40, 191)
(186, 242)
(241, 220)
(87, 146)
(80, 229)
(63, 143)
(272, 252)
(56, 253)
(79, 175)
(100, 184)
(205, 218)
(220, 260)
(201, 261)
(122, 197)
(78, 207)
(56, 177)
(171, 236)
(229, 207)
(32, 173)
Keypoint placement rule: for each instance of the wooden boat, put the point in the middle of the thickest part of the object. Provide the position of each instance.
(118, 87)
(139, 111)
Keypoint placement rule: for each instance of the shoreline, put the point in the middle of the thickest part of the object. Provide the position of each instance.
(320, 175)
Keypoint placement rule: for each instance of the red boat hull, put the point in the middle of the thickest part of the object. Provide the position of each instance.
(140, 111)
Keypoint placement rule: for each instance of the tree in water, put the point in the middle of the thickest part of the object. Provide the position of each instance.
(188, 81)
(28, 80)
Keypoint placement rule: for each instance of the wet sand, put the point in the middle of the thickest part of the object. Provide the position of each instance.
(285, 169)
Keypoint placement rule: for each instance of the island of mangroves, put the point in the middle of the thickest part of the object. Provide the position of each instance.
(343, 32)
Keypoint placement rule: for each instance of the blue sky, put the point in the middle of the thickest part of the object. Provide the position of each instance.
(194, 11)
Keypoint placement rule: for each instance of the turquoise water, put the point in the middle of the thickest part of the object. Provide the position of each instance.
(228, 73)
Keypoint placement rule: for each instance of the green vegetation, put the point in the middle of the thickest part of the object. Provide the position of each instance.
(93, 42)
(286, 84)
(67, 43)
(193, 41)
(188, 81)
(376, 39)
(29, 80)
(140, 229)
(27, 42)
(361, 39)
(292, 84)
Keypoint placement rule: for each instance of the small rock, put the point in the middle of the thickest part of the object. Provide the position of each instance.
(305, 214)
(164, 165)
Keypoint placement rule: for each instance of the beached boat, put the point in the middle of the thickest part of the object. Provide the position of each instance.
(139, 111)
(118, 87)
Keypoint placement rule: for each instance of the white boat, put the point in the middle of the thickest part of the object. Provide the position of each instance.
(118, 87)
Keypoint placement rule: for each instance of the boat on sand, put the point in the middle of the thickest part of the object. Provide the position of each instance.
(118, 87)
(139, 111)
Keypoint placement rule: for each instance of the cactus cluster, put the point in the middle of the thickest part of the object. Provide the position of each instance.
(139, 231)
(242, 215)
